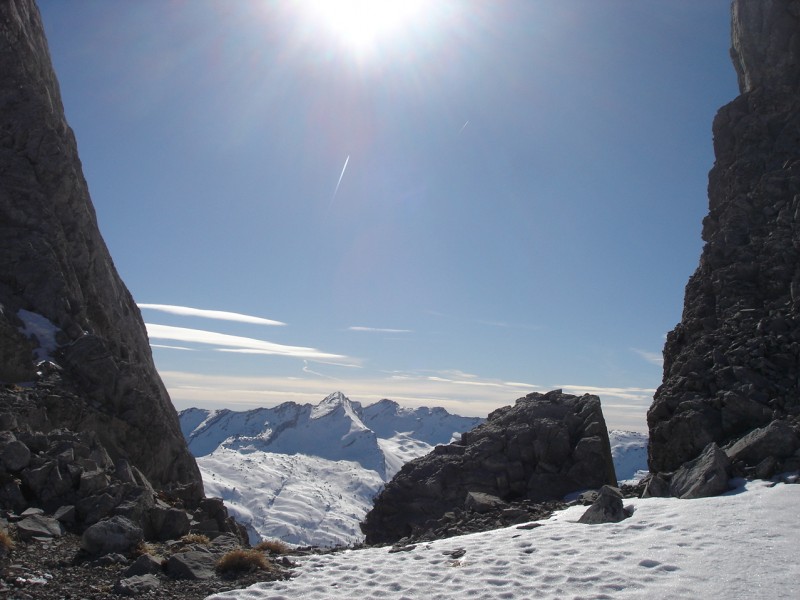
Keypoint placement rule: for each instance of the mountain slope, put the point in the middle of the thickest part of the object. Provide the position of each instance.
(307, 474)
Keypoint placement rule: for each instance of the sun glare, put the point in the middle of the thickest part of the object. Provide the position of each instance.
(363, 24)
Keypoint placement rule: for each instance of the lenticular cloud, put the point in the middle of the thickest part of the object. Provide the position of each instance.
(186, 311)
(199, 336)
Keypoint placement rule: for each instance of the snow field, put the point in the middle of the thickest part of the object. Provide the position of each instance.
(741, 545)
(299, 499)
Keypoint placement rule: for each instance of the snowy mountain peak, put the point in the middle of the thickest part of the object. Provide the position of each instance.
(331, 403)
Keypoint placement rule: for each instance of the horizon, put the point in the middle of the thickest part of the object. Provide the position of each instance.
(453, 206)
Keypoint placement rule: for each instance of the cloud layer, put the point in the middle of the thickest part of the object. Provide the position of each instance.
(234, 343)
(222, 315)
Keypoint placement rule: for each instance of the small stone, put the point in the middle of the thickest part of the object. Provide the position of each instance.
(137, 585)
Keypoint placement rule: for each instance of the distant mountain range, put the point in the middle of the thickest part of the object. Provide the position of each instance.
(307, 473)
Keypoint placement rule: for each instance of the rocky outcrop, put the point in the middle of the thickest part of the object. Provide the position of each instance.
(540, 449)
(72, 477)
(732, 365)
(61, 299)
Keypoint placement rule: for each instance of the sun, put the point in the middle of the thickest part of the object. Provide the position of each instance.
(362, 25)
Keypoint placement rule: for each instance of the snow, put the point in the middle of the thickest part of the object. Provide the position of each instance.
(629, 453)
(740, 545)
(303, 500)
(308, 474)
(42, 329)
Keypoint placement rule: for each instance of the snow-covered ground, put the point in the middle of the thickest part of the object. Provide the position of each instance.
(629, 453)
(741, 545)
(300, 499)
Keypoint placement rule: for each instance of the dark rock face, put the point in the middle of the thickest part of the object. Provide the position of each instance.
(542, 448)
(72, 476)
(733, 363)
(60, 295)
(706, 475)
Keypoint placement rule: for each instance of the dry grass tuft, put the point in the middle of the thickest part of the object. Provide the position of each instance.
(144, 548)
(242, 560)
(274, 547)
(196, 538)
(6, 543)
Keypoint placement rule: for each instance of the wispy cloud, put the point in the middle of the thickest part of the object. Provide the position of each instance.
(655, 358)
(234, 343)
(633, 394)
(377, 329)
(186, 311)
(167, 347)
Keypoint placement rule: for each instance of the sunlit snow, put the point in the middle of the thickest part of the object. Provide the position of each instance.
(741, 545)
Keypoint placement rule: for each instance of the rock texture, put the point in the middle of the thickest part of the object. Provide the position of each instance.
(732, 365)
(72, 476)
(542, 448)
(61, 299)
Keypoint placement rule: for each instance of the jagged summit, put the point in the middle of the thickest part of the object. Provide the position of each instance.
(336, 429)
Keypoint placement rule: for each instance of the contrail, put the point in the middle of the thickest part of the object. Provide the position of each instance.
(464, 126)
(338, 183)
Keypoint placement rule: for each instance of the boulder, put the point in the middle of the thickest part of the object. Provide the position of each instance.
(137, 585)
(656, 486)
(39, 526)
(146, 564)
(775, 441)
(14, 455)
(707, 475)
(607, 508)
(192, 565)
(731, 365)
(116, 534)
(169, 523)
(482, 503)
(542, 448)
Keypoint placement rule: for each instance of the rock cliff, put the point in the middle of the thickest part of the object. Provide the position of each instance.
(540, 449)
(61, 299)
(732, 365)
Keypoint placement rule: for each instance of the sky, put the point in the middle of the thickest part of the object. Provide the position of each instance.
(451, 202)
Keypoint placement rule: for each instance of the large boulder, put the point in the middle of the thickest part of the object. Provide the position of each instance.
(63, 307)
(542, 448)
(706, 475)
(116, 534)
(732, 365)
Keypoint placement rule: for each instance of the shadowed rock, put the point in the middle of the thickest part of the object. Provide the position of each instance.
(607, 508)
(542, 448)
(61, 299)
(732, 364)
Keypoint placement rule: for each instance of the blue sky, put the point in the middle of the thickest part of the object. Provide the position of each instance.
(520, 210)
